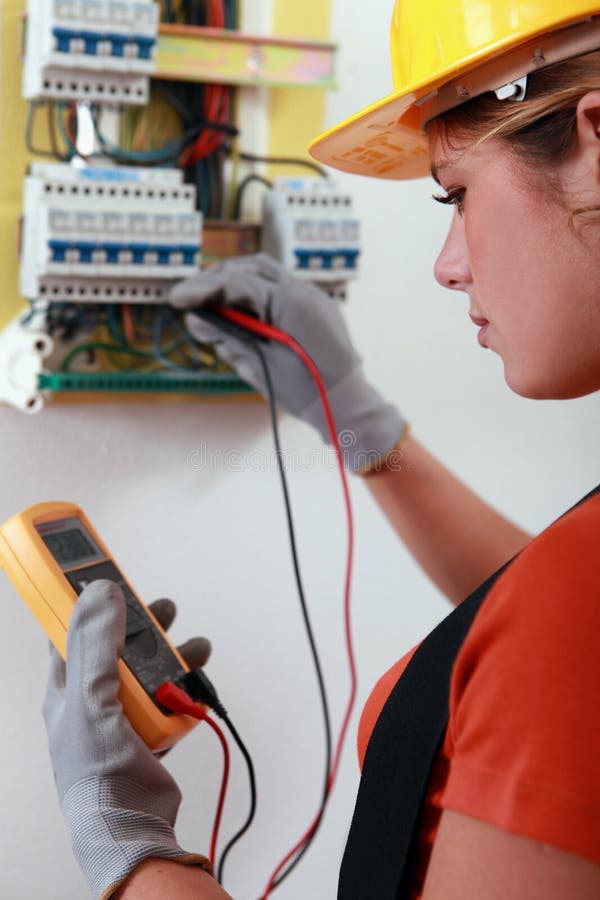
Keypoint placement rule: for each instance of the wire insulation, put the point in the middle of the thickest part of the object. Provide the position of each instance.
(176, 699)
(264, 330)
(252, 780)
(305, 614)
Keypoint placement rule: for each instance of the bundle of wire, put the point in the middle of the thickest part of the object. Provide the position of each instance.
(144, 338)
(199, 118)
(178, 701)
(243, 324)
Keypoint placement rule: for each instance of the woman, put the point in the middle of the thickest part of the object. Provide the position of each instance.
(503, 100)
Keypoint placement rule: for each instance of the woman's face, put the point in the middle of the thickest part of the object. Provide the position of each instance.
(528, 274)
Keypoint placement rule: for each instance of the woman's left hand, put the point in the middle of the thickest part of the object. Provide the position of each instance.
(118, 800)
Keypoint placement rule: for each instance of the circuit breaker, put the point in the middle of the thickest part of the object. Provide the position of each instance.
(310, 227)
(102, 234)
(90, 50)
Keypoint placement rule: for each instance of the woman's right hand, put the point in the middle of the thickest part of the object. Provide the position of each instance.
(367, 425)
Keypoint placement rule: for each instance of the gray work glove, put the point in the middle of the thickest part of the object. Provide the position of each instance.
(368, 426)
(118, 801)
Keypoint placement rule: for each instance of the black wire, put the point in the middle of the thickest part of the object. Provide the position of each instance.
(279, 161)
(169, 152)
(219, 176)
(317, 665)
(239, 834)
(171, 95)
(237, 209)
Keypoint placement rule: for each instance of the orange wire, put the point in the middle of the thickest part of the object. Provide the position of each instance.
(128, 323)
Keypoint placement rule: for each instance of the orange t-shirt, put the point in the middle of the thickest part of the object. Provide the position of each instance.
(522, 746)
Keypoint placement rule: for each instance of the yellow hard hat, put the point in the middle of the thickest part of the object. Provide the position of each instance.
(443, 54)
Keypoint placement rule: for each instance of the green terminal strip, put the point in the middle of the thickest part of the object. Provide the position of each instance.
(150, 382)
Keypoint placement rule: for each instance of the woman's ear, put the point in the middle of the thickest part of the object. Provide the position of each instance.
(588, 130)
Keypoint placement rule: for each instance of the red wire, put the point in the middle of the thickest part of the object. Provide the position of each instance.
(216, 109)
(177, 701)
(275, 334)
(216, 103)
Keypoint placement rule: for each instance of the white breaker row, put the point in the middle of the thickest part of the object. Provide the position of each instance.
(92, 50)
(102, 235)
(309, 225)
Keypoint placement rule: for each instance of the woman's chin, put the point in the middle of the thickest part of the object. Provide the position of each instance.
(533, 386)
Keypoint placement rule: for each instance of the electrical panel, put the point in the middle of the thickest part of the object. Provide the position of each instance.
(107, 234)
(90, 50)
(102, 242)
(310, 227)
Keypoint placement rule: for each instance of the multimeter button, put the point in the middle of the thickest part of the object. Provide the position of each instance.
(143, 643)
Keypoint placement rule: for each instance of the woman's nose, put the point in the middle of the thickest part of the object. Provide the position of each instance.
(452, 268)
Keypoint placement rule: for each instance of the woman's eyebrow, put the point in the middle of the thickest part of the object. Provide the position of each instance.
(436, 169)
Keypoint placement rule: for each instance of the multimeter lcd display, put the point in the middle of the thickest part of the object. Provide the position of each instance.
(69, 542)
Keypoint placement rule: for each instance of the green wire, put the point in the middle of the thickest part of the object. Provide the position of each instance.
(62, 107)
(121, 348)
(101, 345)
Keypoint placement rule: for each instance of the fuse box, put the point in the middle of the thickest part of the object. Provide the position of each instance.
(105, 234)
(310, 227)
(92, 50)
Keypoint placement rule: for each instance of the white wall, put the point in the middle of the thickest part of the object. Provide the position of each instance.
(216, 541)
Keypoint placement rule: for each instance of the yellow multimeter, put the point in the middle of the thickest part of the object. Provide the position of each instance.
(50, 552)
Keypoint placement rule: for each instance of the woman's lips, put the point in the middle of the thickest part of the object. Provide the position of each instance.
(477, 320)
(483, 327)
(482, 333)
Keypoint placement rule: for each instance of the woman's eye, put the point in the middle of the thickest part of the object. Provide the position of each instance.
(453, 198)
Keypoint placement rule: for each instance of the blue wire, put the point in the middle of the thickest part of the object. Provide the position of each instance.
(159, 325)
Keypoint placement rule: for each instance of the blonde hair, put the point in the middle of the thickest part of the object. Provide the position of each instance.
(541, 128)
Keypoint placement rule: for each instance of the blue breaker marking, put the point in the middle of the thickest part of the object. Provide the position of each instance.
(114, 252)
(91, 39)
(326, 258)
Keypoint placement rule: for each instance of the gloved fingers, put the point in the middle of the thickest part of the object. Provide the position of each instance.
(95, 641)
(241, 356)
(203, 287)
(196, 651)
(249, 284)
(202, 331)
(55, 690)
(238, 354)
(249, 290)
(254, 264)
(165, 611)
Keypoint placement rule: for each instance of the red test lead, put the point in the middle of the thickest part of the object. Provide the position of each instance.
(176, 699)
(270, 332)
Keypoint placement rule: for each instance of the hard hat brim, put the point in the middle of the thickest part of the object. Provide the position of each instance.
(387, 139)
(383, 140)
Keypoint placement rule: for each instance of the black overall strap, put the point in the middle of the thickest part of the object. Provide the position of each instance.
(399, 758)
(398, 761)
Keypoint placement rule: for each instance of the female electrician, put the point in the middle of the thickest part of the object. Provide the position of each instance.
(481, 750)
